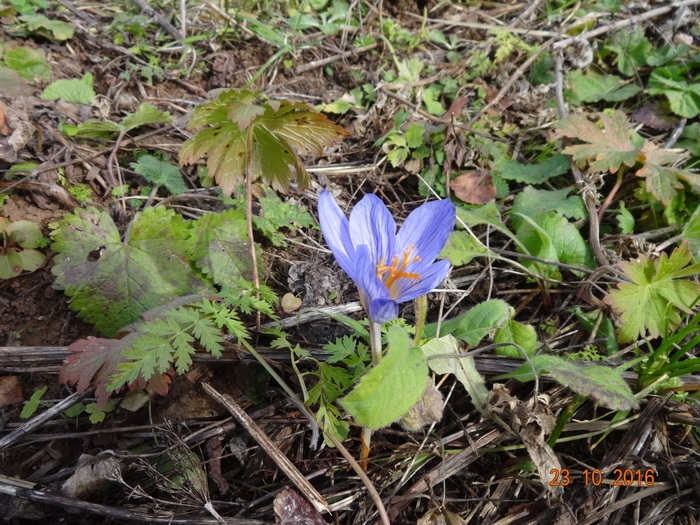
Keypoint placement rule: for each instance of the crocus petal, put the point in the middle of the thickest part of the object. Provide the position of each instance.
(335, 228)
(427, 229)
(383, 310)
(371, 224)
(366, 276)
(430, 277)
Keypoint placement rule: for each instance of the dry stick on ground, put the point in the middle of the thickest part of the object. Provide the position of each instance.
(31, 425)
(561, 44)
(318, 501)
(159, 18)
(587, 192)
(329, 60)
(84, 507)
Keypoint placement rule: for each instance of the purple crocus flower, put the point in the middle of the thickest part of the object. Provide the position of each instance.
(388, 267)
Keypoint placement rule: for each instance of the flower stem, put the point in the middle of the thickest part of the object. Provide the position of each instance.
(421, 307)
(375, 342)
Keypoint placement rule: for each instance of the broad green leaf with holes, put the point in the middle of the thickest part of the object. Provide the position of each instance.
(111, 281)
(390, 389)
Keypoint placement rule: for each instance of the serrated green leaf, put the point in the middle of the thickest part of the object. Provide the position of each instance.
(244, 113)
(531, 173)
(661, 174)
(221, 247)
(28, 63)
(475, 324)
(414, 135)
(77, 90)
(59, 30)
(606, 149)
(266, 144)
(110, 281)
(605, 385)
(459, 364)
(391, 388)
(650, 305)
(160, 173)
(278, 214)
(593, 87)
(531, 201)
(146, 114)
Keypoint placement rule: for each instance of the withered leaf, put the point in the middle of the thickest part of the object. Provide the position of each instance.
(473, 187)
(291, 509)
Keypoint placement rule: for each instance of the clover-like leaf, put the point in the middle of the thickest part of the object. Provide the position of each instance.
(650, 304)
(110, 281)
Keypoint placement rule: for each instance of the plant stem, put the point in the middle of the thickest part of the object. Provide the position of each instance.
(421, 306)
(611, 195)
(375, 344)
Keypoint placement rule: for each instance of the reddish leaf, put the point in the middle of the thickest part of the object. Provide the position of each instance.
(455, 108)
(473, 187)
(654, 115)
(292, 509)
(92, 362)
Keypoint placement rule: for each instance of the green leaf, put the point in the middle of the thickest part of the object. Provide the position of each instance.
(74, 90)
(391, 388)
(632, 49)
(147, 114)
(32, 404)
(475, 324)
(10, 264)
(650, 305)
(604, 327)
(453, 361)
(25, 233)
(523, 335)
(110, 281)
(602, 383)
(605, 149)
(625, 219)
(221, 247)
(431, 100)
(414, 135)
(531, 202)
(661, 174)
(59, 30)
(462, 247)
(592, 87)
(160, 173)
(93, 129)
(28, 63)
(691, 234)
(235, 136)
(531, 173)
(551, 237)
(683, 98)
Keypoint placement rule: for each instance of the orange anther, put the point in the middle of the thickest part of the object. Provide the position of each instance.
(397, 270)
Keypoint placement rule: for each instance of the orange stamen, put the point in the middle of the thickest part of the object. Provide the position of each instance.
(397, 270)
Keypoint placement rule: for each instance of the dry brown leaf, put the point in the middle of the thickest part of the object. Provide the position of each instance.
(473, 187)
(10, 391)
(291, 509)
